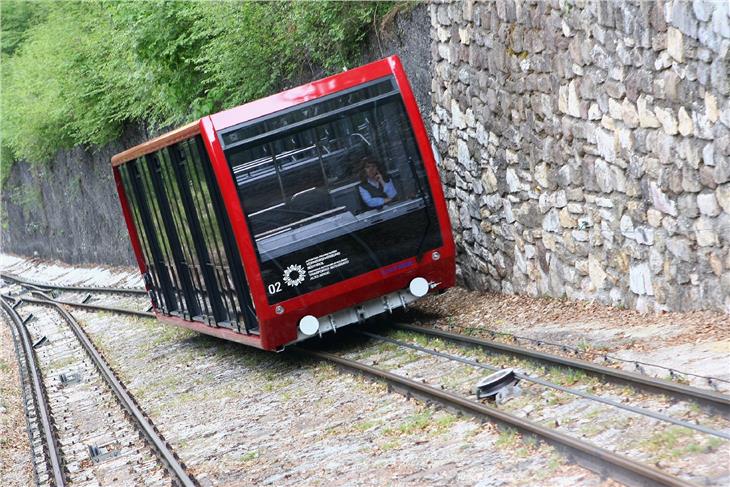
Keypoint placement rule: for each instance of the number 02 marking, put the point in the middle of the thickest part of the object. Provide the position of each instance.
(274, 288)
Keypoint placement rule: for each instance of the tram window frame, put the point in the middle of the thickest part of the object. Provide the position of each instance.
(388, 133)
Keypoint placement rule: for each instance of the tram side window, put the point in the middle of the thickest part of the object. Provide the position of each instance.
(304, 165)
(298, 174)
(307, 176)
(193, 270)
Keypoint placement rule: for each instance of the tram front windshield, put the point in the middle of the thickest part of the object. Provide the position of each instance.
(332, 189)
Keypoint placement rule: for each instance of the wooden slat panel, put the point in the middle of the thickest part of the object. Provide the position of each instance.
(157, 143)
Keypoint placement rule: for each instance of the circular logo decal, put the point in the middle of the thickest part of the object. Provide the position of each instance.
(294, 275)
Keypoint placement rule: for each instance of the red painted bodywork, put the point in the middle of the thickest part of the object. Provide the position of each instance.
(276, 330)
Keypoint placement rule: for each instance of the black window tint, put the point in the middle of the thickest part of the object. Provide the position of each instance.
(317, 218)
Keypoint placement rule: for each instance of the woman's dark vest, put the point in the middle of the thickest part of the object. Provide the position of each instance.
(375, 191)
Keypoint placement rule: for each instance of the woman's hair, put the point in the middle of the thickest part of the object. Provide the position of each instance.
(364, 161)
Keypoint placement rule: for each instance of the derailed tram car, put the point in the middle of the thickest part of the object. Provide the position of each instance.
(293, 215)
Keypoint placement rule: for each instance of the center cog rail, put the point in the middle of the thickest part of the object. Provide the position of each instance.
(175, 467)
(598, 460)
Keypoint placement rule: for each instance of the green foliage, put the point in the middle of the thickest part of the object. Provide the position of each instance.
(16, 16)
(78, 72)
(677, 442)
(56, 93)
(249, 455)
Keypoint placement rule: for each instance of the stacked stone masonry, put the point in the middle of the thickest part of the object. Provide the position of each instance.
(586, 148)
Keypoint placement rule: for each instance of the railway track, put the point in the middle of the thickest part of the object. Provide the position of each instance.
(594, 457)
(41, 286)
(47, 459)
(640, 381)
(720, 403)
(92, 429)
(85, 293)
(426, 379)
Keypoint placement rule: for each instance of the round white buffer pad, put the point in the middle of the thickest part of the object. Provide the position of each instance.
(309, 325)
(418, 287)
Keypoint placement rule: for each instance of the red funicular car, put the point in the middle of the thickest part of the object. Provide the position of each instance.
(292, 215)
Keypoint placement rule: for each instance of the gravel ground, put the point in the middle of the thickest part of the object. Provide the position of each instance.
(238, 416)
(15, 461)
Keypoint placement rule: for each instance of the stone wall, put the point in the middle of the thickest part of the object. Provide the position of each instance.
(407, 34)
(586, 148)
(68, 209)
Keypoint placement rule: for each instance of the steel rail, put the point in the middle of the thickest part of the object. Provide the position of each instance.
(175, 467)
(545, 383)
(110, 290)
(29, 404)
(52, 447)
(720, 402)
(596, 459)
(96, 307)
